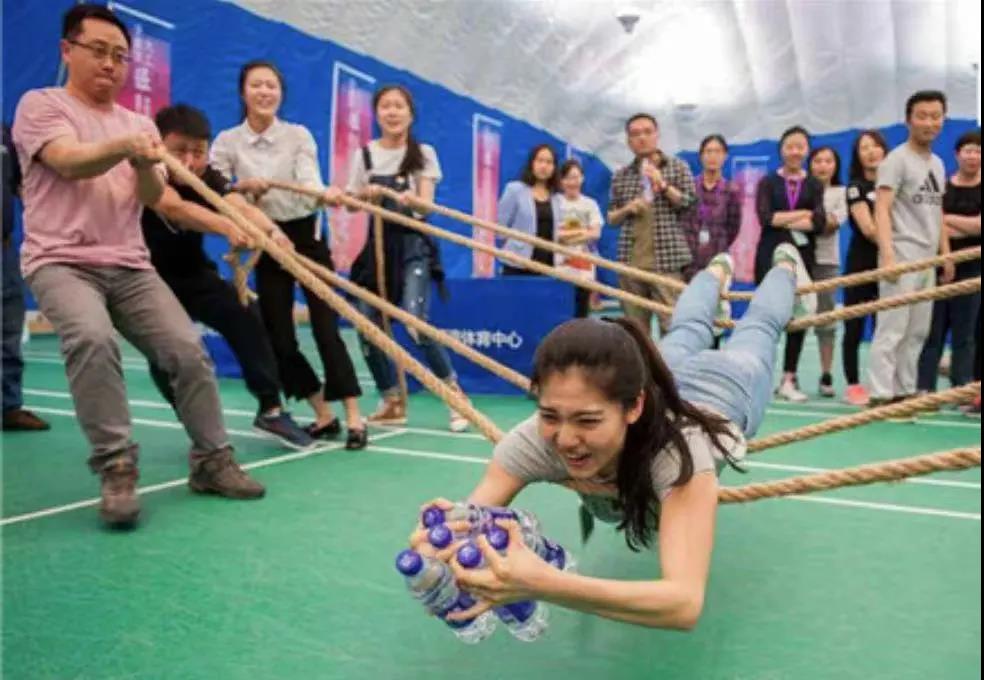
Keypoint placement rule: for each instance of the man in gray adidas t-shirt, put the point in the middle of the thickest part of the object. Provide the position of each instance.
(909, 218)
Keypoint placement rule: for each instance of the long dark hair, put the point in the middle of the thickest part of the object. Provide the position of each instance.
(856, 170)
(413, 159)
(527, 176)
(835, 179)
(255, 64)
(619, 359)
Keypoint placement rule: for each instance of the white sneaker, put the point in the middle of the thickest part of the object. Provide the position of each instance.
(457, 422)
(724, 261)
(804, 305)
(790, 391)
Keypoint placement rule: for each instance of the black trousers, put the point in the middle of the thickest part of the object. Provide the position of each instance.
(276, 289)
(854, 329)
(211, 301)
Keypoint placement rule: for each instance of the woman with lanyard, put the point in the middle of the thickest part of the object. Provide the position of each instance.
(532, 205)
(641, 434)
(790, 210)
(825, 166)
(265, 147)
(580, 228)
(398, 161)
(862, 253)
(713, 226)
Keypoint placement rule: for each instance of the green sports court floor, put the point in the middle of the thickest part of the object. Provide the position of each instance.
(876, 582)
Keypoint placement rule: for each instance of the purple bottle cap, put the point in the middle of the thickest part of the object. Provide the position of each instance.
(409, 563)
(498, 538)
(432, 516)
(469, 555)
(440, 536)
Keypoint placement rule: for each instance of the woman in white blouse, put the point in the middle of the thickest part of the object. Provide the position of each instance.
(265, 147)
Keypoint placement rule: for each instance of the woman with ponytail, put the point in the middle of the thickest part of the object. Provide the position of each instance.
(396, 160)
(640, 433)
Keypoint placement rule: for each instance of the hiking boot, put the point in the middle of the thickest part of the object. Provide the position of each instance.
(218, 473)
(119, 506)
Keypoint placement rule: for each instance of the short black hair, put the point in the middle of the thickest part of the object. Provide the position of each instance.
(641, 116)
(72, 21)
(924, 96)
(569, 165)
(713, 138)
(789, 132)
(970, 137)
(183, 120)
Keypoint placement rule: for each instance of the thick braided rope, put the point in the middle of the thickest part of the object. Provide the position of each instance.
(954, 395)
(422, 327)
(371, 331)
(889, 471)
(553, 246)
(240, 273)
(866, 308)
(873, 275)
(512, 258)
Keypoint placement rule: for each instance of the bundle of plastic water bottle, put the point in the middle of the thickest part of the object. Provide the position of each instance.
(432, 583)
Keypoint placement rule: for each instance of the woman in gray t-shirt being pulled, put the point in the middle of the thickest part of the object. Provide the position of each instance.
(640, 434)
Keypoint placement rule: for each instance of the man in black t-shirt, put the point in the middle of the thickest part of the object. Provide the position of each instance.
(958, 315)
(174, 232)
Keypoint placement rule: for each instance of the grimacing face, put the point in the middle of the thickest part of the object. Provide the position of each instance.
(584, 429)
(97, 60)
(193, 153)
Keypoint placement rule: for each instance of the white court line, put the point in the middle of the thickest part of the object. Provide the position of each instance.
(891, 507)
(466, 435)
(134, 363)
(481, 460)
(266, 462)
(909, 480)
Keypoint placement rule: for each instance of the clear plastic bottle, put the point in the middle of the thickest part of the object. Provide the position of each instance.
(526, 620)
(431, 582)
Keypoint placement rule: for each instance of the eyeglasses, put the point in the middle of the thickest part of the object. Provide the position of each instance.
(101, 50)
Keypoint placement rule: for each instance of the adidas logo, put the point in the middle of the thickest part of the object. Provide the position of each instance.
(929, 191)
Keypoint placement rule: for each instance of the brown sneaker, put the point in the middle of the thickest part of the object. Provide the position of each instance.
(120, 505)
(218, 473)
(22, 420)
(391, 411)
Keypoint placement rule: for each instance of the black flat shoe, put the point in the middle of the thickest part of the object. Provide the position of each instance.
(329, 431)
(357, 439)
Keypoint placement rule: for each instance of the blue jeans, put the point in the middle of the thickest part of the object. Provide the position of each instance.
(13, 327)
(735, 381)
(959, 316)
(416, 301)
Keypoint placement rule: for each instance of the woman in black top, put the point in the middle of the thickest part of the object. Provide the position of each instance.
(958, 315)
(862, 254)
(790, 210)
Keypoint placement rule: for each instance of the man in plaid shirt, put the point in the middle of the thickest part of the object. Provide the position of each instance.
(646, 200)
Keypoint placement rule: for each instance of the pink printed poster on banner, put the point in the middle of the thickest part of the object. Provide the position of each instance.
(746, 171)
(486, 154)
(148, 83)
(351, 129)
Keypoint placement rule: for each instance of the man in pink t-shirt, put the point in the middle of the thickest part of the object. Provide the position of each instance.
(89, 167)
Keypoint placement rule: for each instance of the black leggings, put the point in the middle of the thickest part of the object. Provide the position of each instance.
(854, 329)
